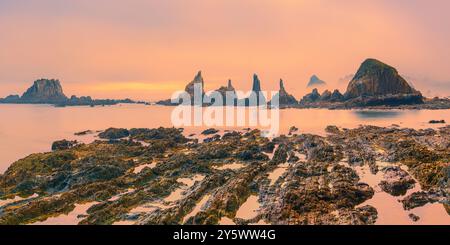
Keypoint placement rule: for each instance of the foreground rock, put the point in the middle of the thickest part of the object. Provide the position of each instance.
(159, 176)
(210, 131)
(63, 145)
(437, 121)
(396, 181)
(114, 133)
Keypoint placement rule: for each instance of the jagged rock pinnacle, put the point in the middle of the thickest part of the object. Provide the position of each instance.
(230, 86)
(282, 85)
(256, 84)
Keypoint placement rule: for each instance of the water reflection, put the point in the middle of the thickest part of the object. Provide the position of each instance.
(365, 114)
(27, 129)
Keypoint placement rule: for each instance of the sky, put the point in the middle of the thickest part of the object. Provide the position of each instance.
(147, 49)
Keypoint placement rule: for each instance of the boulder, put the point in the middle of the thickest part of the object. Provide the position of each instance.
(396, 181)
(114, 133)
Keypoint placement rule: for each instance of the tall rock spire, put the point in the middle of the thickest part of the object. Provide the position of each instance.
(283, 97)
(230, 86)
(198, 80)
(256, 84)
(282, 89)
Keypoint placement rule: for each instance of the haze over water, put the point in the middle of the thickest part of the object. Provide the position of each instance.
(27, 129)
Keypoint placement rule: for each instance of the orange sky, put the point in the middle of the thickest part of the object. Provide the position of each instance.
(146, 49)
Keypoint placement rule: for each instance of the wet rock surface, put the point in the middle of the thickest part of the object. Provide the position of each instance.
(210, 131)
(414, 217)
(397, 181)
(436, 121)
(319, 183)
(63, 144)
(114, 133)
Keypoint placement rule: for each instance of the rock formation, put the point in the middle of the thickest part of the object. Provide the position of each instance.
(314, 96)
(227, 90)
(45, 91)
(324, 188)
(284, 98)
(197, 83)
(11, 99)
(50, 91)
(374, 78)
(336, 96)
(315, 81)
(256, 91)
(326, 95)
(198, 80)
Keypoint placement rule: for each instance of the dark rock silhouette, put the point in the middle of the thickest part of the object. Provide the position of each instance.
(198, 80)
(284, 98)
(196, 84)
(50, 91)
(312, 97)
(374, 78)
(227, 90)
(11, 99)
(45, 91)
(256, 98)
(326, 95)
(336, 96)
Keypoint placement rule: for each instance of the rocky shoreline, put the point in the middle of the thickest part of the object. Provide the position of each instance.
(159, 176)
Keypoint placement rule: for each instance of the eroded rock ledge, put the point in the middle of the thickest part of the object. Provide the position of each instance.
(159, 176)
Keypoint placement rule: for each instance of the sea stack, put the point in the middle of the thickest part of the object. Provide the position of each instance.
(50, 91)
(315, 81)
(284, 98)
(256, 84)
(256, 91)
(312, 97)
(197, 83)
(230, 91)
(44, 91)
(375, 78)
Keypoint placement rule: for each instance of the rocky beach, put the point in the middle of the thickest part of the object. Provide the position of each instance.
(161, 176)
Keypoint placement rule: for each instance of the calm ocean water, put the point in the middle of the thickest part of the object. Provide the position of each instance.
(26, 129)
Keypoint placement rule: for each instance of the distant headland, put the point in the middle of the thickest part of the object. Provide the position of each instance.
(50, 91)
